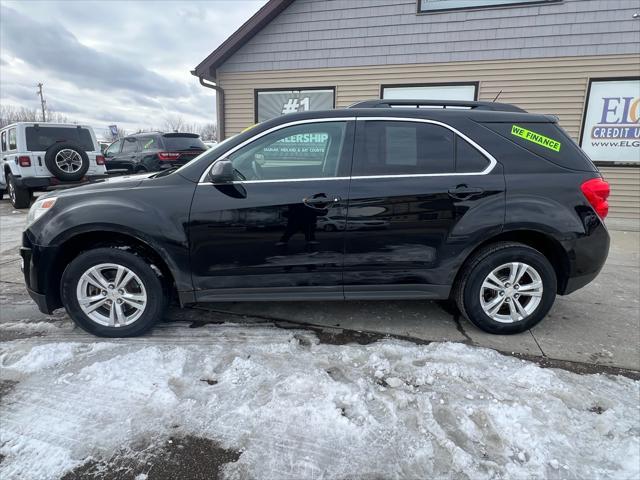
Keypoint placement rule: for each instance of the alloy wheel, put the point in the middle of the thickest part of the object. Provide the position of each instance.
(111, 295)
(68, 160)
(511, 292)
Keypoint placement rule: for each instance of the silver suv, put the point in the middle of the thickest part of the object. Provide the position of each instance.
(44, 156)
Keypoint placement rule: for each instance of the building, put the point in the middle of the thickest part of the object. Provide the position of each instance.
(577, 59)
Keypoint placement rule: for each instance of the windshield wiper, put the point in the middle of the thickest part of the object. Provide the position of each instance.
(164, 172)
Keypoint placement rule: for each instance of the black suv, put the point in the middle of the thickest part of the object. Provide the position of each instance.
(152, 152)
(483, 203)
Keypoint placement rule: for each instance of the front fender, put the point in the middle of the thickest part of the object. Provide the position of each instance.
(155, 212)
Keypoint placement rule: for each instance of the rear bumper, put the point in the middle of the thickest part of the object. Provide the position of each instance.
(587, 256)
(45, 183)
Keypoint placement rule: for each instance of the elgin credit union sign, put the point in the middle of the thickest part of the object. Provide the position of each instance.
(611, 127)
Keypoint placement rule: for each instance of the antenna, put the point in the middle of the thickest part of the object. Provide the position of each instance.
(497, 95)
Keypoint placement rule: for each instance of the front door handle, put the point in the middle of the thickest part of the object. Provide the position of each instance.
(321, 200)
(463, 192)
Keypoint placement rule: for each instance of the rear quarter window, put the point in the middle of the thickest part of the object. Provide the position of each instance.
(468, 158)
(546, 140)
(41, 138)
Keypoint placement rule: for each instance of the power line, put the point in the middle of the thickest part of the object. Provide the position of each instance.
(43, 102)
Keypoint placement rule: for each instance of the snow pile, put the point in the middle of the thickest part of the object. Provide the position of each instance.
(299, 409)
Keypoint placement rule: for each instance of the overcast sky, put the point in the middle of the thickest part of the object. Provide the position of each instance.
(114, 62)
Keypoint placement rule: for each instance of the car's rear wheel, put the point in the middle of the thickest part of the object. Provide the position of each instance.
(20, 197)
(506, 288)
(110, 292)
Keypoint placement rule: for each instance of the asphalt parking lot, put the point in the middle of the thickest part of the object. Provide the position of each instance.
(598, 326)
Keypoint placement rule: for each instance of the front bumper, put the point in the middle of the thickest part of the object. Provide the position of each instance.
(35, 262)
(46, 183)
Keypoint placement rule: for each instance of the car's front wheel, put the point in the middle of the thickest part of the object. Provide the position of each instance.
(506, 288)
(111, 292)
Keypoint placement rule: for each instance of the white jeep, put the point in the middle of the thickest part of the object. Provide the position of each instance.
(43, 156)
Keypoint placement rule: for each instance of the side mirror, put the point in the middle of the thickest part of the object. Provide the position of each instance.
(222, 171)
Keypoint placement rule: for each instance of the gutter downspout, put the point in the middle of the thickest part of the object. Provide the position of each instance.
(219, 105)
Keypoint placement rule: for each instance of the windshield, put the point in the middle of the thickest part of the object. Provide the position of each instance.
(41, 138)
(183, 142)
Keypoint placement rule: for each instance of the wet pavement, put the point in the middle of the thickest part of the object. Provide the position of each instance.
(598, 325)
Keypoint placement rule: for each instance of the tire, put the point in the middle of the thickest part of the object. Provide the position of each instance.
(142, 319)
(66, 161)
(471, 292)
(20, 197)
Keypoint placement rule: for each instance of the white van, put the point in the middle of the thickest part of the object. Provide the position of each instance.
(42, 156)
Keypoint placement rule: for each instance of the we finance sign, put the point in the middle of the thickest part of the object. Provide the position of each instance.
(611, 127)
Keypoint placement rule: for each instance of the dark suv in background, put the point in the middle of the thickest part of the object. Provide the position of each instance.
(483, 203)
(152, 152)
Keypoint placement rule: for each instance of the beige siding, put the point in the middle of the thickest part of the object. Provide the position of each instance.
(624, 201)
(548, 85)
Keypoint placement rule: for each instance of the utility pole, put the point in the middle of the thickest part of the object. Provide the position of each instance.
(43, 102)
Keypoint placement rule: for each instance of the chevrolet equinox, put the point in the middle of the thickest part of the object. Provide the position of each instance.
(482, 203)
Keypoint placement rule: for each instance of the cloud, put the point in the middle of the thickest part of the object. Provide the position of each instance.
(58, 51)
(105, 62)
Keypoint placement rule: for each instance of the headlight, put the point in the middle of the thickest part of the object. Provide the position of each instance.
(39, 208)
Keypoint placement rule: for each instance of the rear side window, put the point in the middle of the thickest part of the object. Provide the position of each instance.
(468, 158)
(174, 142)
(149, 143)
(546, 140)
(41, 138)
(13, 144)
(129, 146)
(404, 148)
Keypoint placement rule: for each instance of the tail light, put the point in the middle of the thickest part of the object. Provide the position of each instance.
(24, 161)
(99, 160)
(164, 156)
(596, 191)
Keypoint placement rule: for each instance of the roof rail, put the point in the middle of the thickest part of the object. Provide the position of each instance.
(389, 103)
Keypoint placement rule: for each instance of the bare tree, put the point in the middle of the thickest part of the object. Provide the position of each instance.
(208, 132)
(173, 123)
(10, 114)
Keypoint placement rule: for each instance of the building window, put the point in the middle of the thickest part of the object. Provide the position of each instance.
(611, 120)
(274, 103)
(428, 6)
(431, 91)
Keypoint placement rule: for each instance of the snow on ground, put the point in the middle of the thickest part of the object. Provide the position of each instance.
(299, 409)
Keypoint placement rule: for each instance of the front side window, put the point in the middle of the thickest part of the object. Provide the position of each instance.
(113, 149)
(4, 141)
(404, 148)
(301, 151)
(13, 144)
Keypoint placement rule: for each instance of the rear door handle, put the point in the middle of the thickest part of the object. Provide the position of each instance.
(463, 192)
